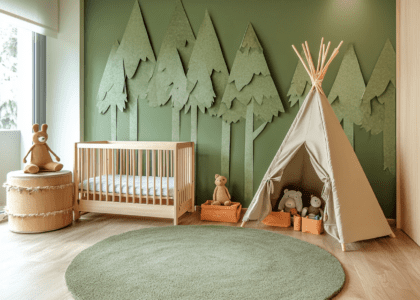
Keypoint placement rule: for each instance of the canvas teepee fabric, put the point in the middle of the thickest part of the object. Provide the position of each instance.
(317, 156)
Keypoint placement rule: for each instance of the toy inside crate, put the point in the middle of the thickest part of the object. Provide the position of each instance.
(221, 213)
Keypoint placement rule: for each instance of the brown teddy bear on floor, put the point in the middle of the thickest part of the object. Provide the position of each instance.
(221, 194)
(40, 157)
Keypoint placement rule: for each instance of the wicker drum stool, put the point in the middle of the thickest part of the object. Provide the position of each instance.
(39, 202)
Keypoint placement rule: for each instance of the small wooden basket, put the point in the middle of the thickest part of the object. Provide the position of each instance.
(297, 223)
(278, 218)
(312, 226)
(221, 213)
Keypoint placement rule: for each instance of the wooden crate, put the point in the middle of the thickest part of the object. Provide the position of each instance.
(220, 213)
(312, 226)
(278, 218)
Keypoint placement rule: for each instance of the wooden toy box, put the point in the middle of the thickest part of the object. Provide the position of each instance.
(220, 213)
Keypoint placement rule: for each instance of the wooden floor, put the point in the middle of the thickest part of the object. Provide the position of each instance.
(33, 265)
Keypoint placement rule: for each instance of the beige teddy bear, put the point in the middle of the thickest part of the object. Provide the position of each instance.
(40, 157)
(221, 194)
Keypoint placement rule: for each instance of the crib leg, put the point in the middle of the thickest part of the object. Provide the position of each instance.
(343, 247)
(175, 221)
(243, 224)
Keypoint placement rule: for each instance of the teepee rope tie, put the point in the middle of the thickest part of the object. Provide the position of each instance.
(47, 214)
(35, 189)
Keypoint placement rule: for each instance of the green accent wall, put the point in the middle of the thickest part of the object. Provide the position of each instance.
(279, 24)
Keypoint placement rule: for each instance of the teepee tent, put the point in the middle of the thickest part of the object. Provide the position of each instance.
(317, 156)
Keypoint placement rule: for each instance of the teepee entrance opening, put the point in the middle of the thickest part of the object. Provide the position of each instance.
(300, 173)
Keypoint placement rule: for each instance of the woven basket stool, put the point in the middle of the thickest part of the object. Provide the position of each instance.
(39, 202)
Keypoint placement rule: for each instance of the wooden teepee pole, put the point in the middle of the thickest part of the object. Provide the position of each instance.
(317, 74)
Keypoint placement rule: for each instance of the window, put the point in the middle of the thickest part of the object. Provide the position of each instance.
(15, 75)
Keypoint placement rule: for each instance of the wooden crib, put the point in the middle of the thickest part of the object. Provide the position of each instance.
(153, 179)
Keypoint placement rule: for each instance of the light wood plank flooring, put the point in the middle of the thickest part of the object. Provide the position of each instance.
(33, 265)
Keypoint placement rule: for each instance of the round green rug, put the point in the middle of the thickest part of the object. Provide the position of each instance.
(204, 262)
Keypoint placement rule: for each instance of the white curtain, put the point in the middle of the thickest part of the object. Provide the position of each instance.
(40, 16)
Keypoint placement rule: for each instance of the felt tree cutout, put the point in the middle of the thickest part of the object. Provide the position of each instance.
(380, 116)
(300, 86)
(169, 81)
(251, 85)
(139, 61)
(347, 92)
(112, 89)
(207, 86)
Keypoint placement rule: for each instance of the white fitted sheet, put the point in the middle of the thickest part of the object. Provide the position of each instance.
(130, 185)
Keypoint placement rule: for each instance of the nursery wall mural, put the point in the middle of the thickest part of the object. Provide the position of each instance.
(300, 86)
(346, 93)
(190, 74)
(112, 91)
(169, 81)
(207, 75)
(380, 115)
(139, 60)
(252, 88)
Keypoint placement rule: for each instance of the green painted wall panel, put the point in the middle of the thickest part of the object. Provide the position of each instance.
(279, 24)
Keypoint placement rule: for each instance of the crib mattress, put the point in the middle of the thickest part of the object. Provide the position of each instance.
(123, 186)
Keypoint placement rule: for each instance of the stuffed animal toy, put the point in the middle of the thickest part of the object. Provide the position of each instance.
(40, 157)
(221, 194)
(291, 200)
(315, 209)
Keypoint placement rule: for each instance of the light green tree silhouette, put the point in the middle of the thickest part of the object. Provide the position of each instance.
(347, 92)
(112, 91)
(300, 86)
(378, 104)
(169, 81)
(250, 91)
(139, 62)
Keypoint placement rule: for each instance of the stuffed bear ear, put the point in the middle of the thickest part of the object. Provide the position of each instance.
(44, 128)
(286, 190)
(217, 175)
(35, 127)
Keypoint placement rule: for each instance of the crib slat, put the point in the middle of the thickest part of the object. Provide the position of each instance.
(193, 177)
(176, 185)
(94, 173)
(88, 174)
(172, 164)
(113, 174)
(82, 162)
(120, 154)
(147, 176)
(161, 173)
(100, 174)
(140, 173)
(127, 165)
(133, 165)
(167, 177)
(154, 175)
(106, 173)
